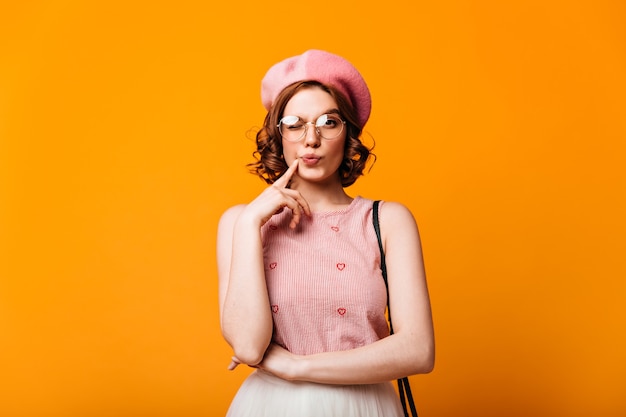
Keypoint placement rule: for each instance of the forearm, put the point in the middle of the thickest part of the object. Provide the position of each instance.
(385, 360)
(246, 319)
(388, 359)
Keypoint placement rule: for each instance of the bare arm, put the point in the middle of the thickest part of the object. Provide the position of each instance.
(244, 303)
(410, 350)
(245, 318)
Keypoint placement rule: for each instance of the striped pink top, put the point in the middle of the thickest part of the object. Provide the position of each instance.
(324, 281)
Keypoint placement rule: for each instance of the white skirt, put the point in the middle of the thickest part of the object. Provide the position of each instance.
(265, 395)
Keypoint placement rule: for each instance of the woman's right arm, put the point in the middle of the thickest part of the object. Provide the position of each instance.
(246, 318)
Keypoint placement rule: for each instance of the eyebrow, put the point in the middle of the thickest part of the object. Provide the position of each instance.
(329, 111)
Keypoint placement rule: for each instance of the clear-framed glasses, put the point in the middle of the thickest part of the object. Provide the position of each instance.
(328, 126)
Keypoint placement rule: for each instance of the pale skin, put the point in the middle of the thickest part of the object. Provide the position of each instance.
(312, 184)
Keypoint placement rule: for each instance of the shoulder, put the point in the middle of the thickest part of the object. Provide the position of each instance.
(226, 227)
(396, 218)
(233, 211)
(230, 215)
(393, 211)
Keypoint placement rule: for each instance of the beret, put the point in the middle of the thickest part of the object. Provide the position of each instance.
(324, 67)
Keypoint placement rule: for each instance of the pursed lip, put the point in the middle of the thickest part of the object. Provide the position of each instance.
(310, 158)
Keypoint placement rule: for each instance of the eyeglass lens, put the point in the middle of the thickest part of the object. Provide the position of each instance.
(328, 126)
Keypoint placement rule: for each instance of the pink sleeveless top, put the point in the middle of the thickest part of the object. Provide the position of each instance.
(325, 285)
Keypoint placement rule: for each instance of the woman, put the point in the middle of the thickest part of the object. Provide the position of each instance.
(301, 294)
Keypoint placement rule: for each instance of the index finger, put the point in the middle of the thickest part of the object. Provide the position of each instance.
(283, 181)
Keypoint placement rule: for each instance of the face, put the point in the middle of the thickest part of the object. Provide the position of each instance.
(319, 158)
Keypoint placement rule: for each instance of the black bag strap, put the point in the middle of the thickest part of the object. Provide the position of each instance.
(404, 389)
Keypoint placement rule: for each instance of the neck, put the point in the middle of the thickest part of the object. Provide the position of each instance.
(323, 197)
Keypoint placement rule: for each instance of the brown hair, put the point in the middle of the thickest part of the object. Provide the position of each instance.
(270, 163)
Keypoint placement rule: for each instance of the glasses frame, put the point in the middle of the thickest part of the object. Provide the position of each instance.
(317, 128)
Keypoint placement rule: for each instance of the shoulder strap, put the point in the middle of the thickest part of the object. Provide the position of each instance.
(383, 265)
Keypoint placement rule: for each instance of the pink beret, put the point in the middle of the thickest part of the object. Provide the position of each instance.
(319, 66)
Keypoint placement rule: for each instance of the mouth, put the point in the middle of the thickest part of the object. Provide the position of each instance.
(310, 159)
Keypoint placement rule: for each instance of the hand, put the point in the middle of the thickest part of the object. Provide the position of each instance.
(277, 361)
(280, 362)
(234, 362)
(278, 196)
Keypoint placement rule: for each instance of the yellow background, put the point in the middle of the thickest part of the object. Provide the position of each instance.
(123, 136)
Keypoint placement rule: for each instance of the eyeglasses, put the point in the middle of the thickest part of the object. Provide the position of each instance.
(328, 126)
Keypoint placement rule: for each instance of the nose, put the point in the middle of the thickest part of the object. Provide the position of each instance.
(312, 136)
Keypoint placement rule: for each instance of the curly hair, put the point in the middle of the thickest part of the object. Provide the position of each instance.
(270, 163)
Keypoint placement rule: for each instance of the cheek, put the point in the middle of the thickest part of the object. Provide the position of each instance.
(338, 149)
(288, 147)
(289, 152)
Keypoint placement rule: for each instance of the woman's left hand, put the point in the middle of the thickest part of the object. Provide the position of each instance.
(277, 361)
(234, 362)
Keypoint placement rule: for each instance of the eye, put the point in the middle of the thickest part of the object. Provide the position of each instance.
(291, 122)
(322, 121)
(328, 121)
